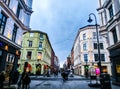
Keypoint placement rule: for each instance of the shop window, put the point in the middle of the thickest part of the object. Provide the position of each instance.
(10, 58)
(118, 71)
(104, 69)
(0, 55)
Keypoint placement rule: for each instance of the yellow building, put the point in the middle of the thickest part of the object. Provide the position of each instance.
(36, 50)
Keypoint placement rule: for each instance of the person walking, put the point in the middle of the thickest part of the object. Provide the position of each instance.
(25, 80)
(2, 79)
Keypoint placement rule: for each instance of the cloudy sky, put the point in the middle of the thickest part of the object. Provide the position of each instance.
(61, 19)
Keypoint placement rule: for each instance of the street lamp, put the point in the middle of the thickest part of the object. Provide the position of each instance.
(90, 20)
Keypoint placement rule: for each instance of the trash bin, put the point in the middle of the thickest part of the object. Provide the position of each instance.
(105, 81)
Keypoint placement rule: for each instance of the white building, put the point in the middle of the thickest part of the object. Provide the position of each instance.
(109, 13)
(86, 52)
(14, 21)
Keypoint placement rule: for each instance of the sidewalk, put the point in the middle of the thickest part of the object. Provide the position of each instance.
(12, 86)
(113, 86)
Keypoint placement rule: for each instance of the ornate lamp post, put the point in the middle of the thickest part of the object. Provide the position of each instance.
(90, 20)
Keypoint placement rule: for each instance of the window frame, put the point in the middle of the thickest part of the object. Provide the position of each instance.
(29, 54)
(40, 45)
(114, 34)
(41, 36)
(84, 36)
(95, 45)
(101, 46)
(94, 35)
(30, 43)
(84, 46)
(86, 57)
(18, 10)
(110, 9)
(14, 33)
(3, 20)
(101, 55)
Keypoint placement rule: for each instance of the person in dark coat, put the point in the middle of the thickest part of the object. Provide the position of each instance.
(65, 74)
(25, 80)
(15, 76)
(2, 79)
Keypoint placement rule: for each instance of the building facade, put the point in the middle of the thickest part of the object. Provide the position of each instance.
(72, 58)
(86, 51)
(109, 13)
(36, 51)
(14, 21)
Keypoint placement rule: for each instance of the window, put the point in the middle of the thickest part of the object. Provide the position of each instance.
(40, 45)
(14, 33)
(10, 58)
(31, 34)
(101, 46)
(30, 44)
(102, 57)
(110, 9)
(86, 57)
(18, 10)
(84, 36)
(7, 2)
(114, 35)
(41, 36)
(29, 54)
(94, 35)
(39, 57)
(84, 46)
(3, 20)
(95, 45)
(22, 43)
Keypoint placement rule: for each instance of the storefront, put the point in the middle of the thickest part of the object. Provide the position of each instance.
(9, 56)
(115, 63)
(38, 69)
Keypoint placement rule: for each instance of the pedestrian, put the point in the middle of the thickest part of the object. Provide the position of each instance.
(15, 76)
(19, 82)
(25, 80)
(2, 79)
